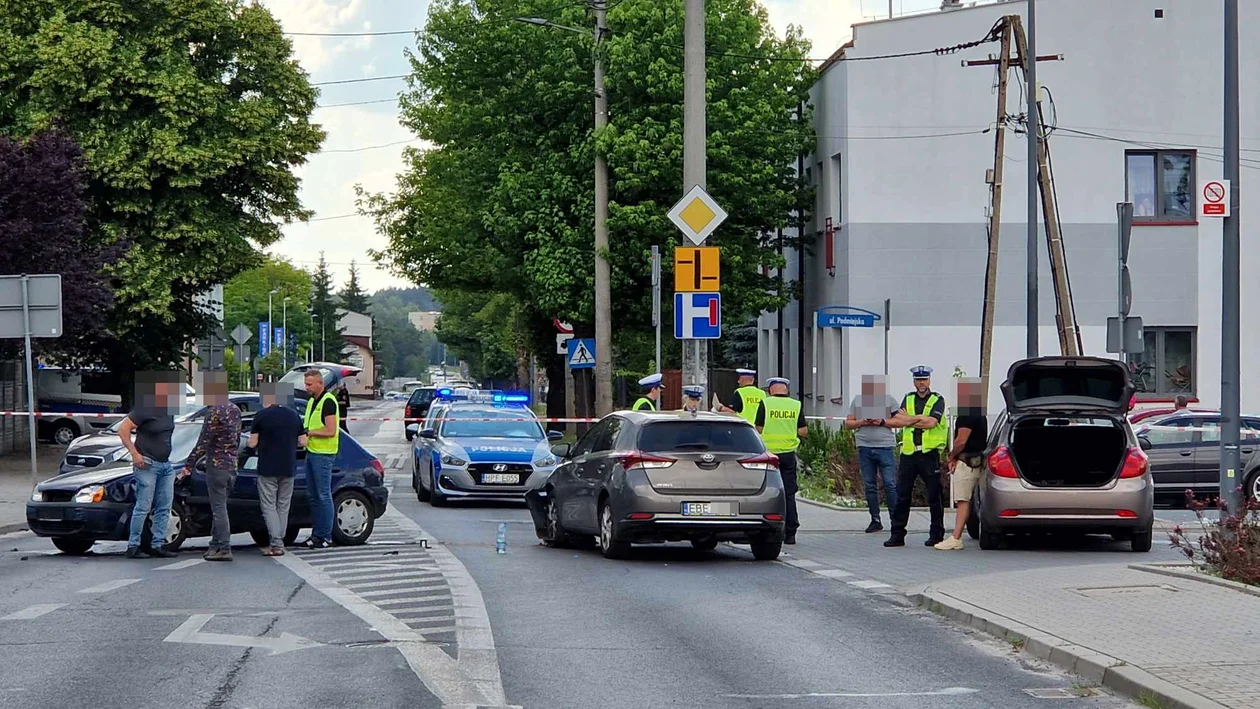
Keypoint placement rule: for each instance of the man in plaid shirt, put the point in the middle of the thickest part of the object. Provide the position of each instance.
(219, 443)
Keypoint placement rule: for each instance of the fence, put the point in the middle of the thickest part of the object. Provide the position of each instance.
(13, 429)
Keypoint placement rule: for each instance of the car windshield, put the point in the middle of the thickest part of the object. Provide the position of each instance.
(421, 396)
(715, 436)
(508, 423)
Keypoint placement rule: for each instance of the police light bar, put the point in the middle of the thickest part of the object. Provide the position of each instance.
(511, 398)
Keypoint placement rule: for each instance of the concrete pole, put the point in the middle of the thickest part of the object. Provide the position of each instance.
(1034, 134)
(1230, 374)
(603, 273)
(695, 364)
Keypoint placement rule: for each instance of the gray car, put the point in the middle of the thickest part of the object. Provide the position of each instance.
(654, 477)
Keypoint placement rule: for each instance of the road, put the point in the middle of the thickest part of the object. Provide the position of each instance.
(396, 624)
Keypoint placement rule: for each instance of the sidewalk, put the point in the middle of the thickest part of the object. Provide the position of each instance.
(1082, 604)
(15, 484)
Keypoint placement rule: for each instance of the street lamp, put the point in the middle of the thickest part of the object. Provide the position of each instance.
(603, 273)
(284, 334)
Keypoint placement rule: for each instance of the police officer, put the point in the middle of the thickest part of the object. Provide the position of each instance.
(650, 401)
(781, 423)
(748, 397)
(924, 436)
(692, 396)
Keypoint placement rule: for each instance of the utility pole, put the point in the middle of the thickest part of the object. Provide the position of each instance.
(603, 273)
(656, 304)
(779, 331)
(695, 361)
(1034, 135)
(1230, 392)
(995, 212)
(800, 273)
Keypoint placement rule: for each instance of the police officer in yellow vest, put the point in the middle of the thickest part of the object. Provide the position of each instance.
(781, 423)
(748, 397)
(924, 437)
(323, 440)
(650, 401)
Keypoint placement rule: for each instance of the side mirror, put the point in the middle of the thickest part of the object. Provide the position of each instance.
(555, 435)
(1144, 443)
(413, 428)
(429, 434)
(201, 465)
(561, 450)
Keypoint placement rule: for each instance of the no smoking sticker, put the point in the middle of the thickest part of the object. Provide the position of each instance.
(1215, 198)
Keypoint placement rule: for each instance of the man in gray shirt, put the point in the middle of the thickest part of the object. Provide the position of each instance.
(867, 418)
(152, 419)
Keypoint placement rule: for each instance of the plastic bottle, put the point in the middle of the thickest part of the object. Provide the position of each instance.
(500, 544)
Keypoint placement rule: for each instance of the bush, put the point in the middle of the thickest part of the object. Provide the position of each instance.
(1229, 549)
(829, 467)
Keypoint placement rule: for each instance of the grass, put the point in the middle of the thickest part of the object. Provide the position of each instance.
(1150, 701)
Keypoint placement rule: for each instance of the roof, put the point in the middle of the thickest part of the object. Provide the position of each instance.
(362, 342)
(644, 417)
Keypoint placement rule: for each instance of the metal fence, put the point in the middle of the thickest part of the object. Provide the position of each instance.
(13, 429)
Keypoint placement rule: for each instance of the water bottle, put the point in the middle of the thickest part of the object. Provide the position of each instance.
(500, 544)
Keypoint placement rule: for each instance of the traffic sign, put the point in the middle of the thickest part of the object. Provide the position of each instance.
(845, 316)
(562, 327)
(696, 215)
(581, 354)
(1215, 198)
(697, 316)
(40, 302)
(562, 342)
(697, 269)
(241, 334)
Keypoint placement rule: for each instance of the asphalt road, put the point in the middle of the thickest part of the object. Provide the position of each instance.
(401, 625)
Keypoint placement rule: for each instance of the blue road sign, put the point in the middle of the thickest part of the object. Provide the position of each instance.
(264, 342)
(846, 316)
(697, 316)
(581, 353)
(278, 343)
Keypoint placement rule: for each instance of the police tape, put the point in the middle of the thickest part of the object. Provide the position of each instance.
(540, 419)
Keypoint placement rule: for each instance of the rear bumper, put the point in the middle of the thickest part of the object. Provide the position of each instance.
(103, 520)
(1012, 504)
(379, 497)
(676, 528)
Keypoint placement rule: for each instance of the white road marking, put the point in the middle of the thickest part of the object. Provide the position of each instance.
(947, 692)
(190, 632)
(19, 533)
(410, 561)
(33, 612)
(803, 563)
(833, 573)
(412, 599)
(180, 565)
(431, 586)
(868, 585)
(350, 576)
(109, 586)
(414, 580)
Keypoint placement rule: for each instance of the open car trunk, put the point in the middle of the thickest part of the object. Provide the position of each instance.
(1077, 451)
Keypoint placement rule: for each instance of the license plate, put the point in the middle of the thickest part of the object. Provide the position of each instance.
(501, 479)
(50, 515)
(708, 509)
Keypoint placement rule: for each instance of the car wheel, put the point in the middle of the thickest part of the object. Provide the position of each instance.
(989, 539)
(1252, 488)
(352, 519)
(766, 550)
(609, 544)
(74, 546)
(64, 433)
(555, 534)
(422, 493)
(1122, 536)
(176, 528)
(973, 523)
(1141, 540)
(261, 537)
(409, 436)
(705, 544)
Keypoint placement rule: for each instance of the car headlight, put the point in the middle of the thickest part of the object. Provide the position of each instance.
(545, 462)
(117, 455)
(91, 493)
(37, 496)
(448, 459)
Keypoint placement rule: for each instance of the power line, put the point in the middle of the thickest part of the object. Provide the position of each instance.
(361, 80)
(349, 34)
(369, 147)
(338, 216)
(356, 103)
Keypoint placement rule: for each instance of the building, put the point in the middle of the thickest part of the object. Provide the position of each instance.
(424, 320)
(903, 148)
(356, 330)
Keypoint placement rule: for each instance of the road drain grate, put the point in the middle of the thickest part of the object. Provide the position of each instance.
(1063, 693)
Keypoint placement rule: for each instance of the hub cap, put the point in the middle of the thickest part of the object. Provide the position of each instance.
(352, 517)
(1255, 488)
(605, 528)
(174, 525)
(553, 520)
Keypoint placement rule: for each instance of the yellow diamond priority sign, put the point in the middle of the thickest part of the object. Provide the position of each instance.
(696, 215)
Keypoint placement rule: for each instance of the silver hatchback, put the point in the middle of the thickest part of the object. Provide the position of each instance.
(655, 477)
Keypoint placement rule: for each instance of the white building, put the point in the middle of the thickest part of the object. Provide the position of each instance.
(900, 169)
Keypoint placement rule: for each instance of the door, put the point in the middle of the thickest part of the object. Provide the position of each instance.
(577, 511)
(1172, 455)
(243, 509)
(1207, 453)
(599, 463)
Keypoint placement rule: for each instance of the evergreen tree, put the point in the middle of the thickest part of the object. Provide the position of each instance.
(327, 337)
(353, 297)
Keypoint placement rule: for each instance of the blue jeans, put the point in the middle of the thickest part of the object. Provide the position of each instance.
(879, 461)
(155, 490)
(319, 494)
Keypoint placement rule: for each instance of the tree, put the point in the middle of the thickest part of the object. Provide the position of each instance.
(502, 202)
(480, 332)
(401, 350)
(193, 116)
(326, 333)
(42, 214)
(352, 296)
(245, 301)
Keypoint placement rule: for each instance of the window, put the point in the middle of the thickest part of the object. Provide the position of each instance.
(1161, 185)
(1169, 436)
(835, 170)
(1167, 364)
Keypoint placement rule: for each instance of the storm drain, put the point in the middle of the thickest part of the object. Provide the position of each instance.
(1063, 693)
(1124, 591)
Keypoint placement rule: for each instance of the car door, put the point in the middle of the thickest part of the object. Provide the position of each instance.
(243, 507)
(577, 509)
(599, 463)
(1172, 455)
(1207, 449)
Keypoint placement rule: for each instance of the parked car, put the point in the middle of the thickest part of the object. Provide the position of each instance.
(79, 509)
(1063, 456)
(332, 374)
(1185, 452)
(655, 477)
(1148, 415)
(418, 404)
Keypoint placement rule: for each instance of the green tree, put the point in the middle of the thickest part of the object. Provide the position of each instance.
(192, 116)
(481, 332)
(245, 300)
(325, 333)
(352, 296)
(502, 203)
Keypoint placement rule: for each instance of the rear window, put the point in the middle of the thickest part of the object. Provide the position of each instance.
(1034, 384)
(716, 436)
(421, 396)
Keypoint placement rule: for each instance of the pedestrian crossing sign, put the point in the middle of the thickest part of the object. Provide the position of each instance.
(581, 353)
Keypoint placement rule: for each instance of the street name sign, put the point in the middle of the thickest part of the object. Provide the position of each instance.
(696, 215)
(845, 316)
(698, 316)
(697, 269)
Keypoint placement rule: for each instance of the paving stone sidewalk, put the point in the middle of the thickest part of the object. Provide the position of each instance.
(15, 484)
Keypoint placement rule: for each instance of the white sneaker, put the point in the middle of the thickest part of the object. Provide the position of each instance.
(950, 544)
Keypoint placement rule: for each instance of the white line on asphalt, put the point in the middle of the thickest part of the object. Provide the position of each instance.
(426, 586)
(833, 573)
(413, 599)
(415, 579)
(109, 586)
(425, 610)
(350, 576)
(15, 535)
(947, 692)
(33, 612)
(180, 565)
(190, 632)
(419, 561)
(868, 585)
(803, 563)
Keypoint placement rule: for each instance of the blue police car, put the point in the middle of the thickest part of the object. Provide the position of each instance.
(481, 446)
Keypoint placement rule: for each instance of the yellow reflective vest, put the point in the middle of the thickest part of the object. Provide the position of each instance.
(779, 431)
(312, 420)
(935, 438)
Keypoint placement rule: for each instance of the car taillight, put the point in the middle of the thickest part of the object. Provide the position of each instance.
(644, 460)
(1135, 464)
(1008, 513)
(641, 515)
(765, 461)
(1126, 514)
(1001, 464)
(379, 467)
(774, 518)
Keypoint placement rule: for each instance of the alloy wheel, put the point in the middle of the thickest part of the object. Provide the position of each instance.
(352, 516)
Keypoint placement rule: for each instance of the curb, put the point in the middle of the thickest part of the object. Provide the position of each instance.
(838, 508)
(15, 527)
(1191, 575)
(1107, 671)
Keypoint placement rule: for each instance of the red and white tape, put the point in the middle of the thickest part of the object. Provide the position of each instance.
(64, 414)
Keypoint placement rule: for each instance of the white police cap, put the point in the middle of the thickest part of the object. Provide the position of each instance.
(651, 381)
(921, 372)
(746, 372)
(693, 390)
(778, 380)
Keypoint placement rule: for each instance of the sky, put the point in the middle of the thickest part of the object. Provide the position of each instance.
(365, 142)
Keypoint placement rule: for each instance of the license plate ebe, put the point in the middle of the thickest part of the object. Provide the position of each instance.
(708, 509)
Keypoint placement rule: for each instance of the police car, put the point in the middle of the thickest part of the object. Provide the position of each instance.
(479, 446)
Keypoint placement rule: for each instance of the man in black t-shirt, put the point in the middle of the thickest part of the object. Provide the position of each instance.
(276, 435)
(966, 455)
(153, 421)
